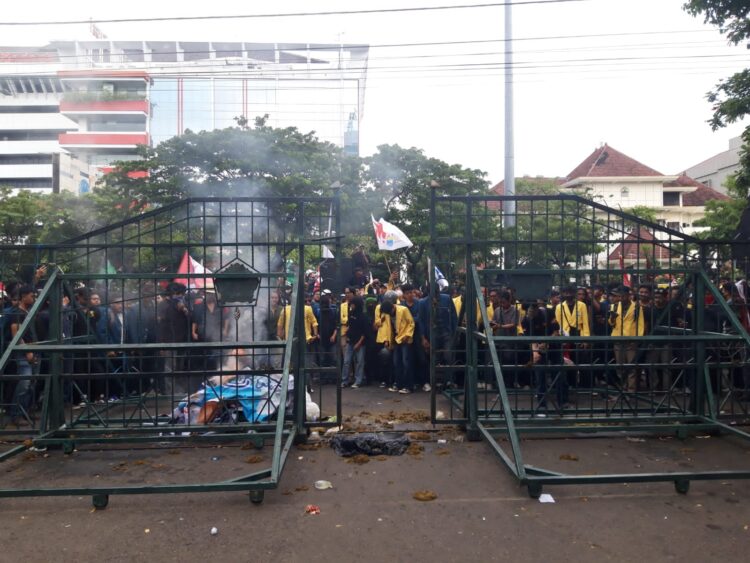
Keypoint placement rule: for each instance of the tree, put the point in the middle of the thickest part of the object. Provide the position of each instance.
(402, 178)
(723, 215)
(731, 97)
(231, 162)
(551, 233)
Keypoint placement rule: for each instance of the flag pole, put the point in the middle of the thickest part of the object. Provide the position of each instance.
(385, 257)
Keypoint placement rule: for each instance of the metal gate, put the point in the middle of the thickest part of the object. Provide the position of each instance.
(221, 358)
(686, 373)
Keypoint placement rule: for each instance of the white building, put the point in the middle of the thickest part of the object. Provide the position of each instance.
(620, 182)
(713, 172)
(71, 108)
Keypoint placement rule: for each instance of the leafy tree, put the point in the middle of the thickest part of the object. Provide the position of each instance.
(722, 216)
(731, 97)
(551, 233)
(404, 178)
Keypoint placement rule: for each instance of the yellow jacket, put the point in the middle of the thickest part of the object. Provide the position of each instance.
(344, 317)
(457, 301)
(632, 323)
(404, 326)
(577, 318)
(311, 323)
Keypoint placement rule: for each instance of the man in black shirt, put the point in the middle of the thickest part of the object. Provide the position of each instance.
(355, 342)
(173, 326)
(27, 364)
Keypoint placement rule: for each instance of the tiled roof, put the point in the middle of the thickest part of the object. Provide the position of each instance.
(608, 162)
(700, 196)
(635, 243)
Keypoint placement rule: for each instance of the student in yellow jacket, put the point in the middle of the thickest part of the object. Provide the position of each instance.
(311, 324)
(627, 319)
(400, 334)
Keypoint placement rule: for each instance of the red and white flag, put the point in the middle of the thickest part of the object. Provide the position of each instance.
(389, 236)
(190, 265)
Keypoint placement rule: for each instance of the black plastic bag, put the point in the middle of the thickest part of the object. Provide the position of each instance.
(381, 443)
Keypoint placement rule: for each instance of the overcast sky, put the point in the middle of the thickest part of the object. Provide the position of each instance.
(642, 91)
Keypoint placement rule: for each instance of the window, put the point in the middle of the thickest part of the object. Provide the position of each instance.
(674, 225)
(624, 192)
(671, 198)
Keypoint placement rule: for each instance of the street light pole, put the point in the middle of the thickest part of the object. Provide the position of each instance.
(510, 179)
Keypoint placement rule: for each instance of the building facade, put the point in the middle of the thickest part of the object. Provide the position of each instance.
(69, 109)
(713, 172)
(620, 182)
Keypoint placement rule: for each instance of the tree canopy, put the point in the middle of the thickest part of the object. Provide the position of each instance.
(731, 97)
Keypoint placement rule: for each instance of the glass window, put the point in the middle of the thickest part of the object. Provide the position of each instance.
(163, 110)
(197, 109)
(671, 198)
(227, 102)
(624, 192)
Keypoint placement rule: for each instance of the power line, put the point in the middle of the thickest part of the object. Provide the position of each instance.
(294, 14)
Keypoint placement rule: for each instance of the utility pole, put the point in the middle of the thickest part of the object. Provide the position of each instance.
(510, 179)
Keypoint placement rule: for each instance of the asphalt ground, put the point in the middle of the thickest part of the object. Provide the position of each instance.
(479, 512)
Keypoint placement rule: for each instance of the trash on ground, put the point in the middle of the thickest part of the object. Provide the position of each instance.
(214, 531)
(421, 436)
(380, 443)
(254, 459)
(415, 449)
(629, 439)
(424, 496)
(546, 498)
(359, 459)
(312, 509)
(442, 441)
(568, 457)
(323, 485)
(332, 431)
(442, 451)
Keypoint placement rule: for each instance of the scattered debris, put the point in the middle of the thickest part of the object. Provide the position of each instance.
(301, 489)
(424, 496)
(359, 459)
(140, 462)
(637, 440)
(442, 451)
(174, 452)
(309, 447)
(215, 458)
(254, 459)
(568, 457)
(415, 449)
(421, 436)
(381, 457)
(323, 485)
(380, 443)
(147, 531)
(442, 441)
(214, 531)
(312, 509)
(546, 498)
(122, 466)
(440, 415)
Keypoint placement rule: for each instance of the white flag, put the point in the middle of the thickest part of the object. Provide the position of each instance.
(327, 252)
(389, 236)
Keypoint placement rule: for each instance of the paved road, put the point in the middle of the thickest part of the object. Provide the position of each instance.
(480, 513)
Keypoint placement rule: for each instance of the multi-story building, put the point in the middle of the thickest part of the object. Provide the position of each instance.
(621, 182)
(713, 172)
(69, 109)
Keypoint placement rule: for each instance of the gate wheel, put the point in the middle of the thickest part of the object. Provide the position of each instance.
(100, 502)
(257, 496)
(535, 490)
(682, 486)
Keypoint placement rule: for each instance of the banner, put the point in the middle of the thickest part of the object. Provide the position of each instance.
(389, 236)
(190, 265)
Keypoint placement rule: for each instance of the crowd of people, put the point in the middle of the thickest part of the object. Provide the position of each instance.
(383, 333)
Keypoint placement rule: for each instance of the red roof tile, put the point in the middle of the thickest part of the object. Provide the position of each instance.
(700, 196)
(635, 242)
(608, 162)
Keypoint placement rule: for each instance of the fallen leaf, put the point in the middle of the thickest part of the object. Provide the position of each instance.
(568, 457)
(359, 459)
(424, 496)
(254, 459)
